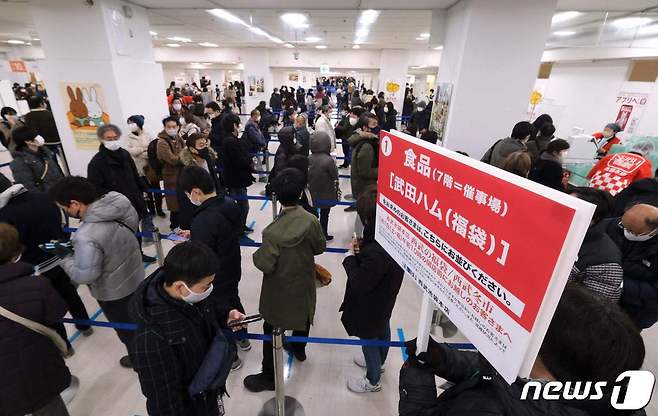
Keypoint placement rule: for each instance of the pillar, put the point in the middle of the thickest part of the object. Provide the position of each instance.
(256, 67)
(393, 68)
(491, 55)
(107, 44)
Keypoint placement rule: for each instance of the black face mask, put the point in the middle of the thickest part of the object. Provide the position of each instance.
(204, 153)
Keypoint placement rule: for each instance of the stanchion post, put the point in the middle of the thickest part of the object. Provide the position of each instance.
(266, 152)
(279, 388)
(158, 246)
(275, 209)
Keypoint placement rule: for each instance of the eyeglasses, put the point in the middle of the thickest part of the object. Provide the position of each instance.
(649, 233)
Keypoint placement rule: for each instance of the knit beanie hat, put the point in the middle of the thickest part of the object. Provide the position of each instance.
(137, 119)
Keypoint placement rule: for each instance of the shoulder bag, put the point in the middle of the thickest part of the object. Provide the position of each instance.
(36, 327)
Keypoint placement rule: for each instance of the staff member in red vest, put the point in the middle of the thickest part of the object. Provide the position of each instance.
(614, 173)
(609, 135)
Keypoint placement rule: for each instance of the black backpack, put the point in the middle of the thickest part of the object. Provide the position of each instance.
(152, 153)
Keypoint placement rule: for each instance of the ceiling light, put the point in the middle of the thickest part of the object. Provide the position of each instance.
(419, 38)
(225, 15)
(356, 47)
(16, 42)
(438, 48)
(173, 45)
(275, 39)
(648, 30)
(321, 46)
(152, 33)
(29, 44)
(296, 20)
(368, 17)
(209, 44)
(564, 16)
(424, 35)
(36, 39)
(257, 30)
(362, 33)
(631, 22)
(180, 39)
(206, 63)
(195, 63)
(289, 45)
(564, 33)
(312, 39)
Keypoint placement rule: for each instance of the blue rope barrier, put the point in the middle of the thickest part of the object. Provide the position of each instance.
(266, 337)
(2, 165)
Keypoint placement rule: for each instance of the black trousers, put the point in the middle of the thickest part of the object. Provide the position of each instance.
(268, 348)
(324, 219)
(61, 282)
(154, 200)
(119, 311)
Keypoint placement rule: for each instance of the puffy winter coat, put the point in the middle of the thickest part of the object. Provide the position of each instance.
(497, 154)
(32, 368)
(137, 145)
(238, 164)
(364, 161)
(36, 170)
(548, 172)
(324, 124)
(107, 255)
(286, 258)
(322, 171)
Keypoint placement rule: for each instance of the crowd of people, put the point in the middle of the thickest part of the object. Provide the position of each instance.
(207, 158)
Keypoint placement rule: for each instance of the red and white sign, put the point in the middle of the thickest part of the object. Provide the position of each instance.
(492, 250)
(631, 110)
(17, 66)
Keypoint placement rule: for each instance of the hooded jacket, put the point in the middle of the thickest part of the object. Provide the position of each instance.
(238, 164)
(547, 171)
(33, 370)
(107, 255)
(499, 151)
(170, 343)
(324, 124)
(137, 145)
(643, 191)
(364, 160)
(287, 149)
(36, 170)
(286, 258)
(322, 172)
(168, 151)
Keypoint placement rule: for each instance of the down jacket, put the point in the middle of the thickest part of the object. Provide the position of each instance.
(107, 255)
(137, 145)
(364, 161)
(322, 172)
(29, 168)
(33, 371)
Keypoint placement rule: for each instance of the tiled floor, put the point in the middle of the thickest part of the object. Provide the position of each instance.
(319, 383)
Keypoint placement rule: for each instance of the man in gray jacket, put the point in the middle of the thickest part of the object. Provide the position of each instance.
(107, 256)
(497, 154)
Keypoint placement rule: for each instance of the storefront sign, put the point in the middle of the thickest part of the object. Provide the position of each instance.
(492, 250)
(17, 66)
(631, 109)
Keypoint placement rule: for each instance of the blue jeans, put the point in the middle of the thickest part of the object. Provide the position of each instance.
(376, 357)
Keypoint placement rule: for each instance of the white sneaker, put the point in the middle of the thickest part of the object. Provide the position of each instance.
(69, 393)
(244, 345)
(237, 364)
(361, 362)
(362, 385)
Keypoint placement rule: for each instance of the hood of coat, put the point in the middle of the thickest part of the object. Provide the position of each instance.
(188, 159)
(11, 192)
(24, 152)
(320, 142)
(296, 229)
(110, 207)
(12, 271)
(360, 136)
(287, 137)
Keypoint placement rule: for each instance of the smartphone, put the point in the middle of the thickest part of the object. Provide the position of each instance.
(247, 320)
(176, 237)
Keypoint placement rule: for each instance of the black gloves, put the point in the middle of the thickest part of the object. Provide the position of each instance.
(432, 357)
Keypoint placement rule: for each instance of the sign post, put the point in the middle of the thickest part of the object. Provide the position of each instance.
(491, 249)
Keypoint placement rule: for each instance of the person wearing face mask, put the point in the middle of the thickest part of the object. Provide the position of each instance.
(635, 235)
(168, 152)
(287, 149)
(168, 357)
(10, 121)
(216, 223)
(255, 141)
(302, 135)
(33, 165)
(365, 156)
(323, 123)
(106, 253)
(616, 172)
(548, 169)
(213, 111)
(390, 117)
(607, 138)
(344, 129)
(188, 125)
(196, 153)
(38, 372)
(238, 166)
(113, 169)
(176, 106)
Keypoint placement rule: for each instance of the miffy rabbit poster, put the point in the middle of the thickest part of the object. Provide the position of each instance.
(85, 105)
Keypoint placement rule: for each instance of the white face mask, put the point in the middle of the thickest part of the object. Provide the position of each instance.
(352, 121)
(177, 107)
(193, 202)
(386, 109)
(172, 132)
(639, 238)
(564, 154)
(182, 121)
(39, 141)
(194, 297)
(608, 135)
(133, 127)
(12, 118)
(112, 145)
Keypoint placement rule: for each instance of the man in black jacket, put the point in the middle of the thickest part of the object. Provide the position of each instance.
(113, 169)
(373, 283)
(643, 191)
(589, 339)
(177, 324)
(215, 114)
(345, 129)
(238, 166)
(216, 223)
(635, 235)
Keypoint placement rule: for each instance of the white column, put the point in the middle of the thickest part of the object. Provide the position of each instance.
(99, 44)
(491, 55)
(393, 67)
(256, 62)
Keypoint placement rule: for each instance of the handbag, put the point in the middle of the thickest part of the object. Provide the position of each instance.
(322, 276)
(36, 327)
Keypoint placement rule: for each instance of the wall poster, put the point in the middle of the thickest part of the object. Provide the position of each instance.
(256, 85)
(86, 111)
(439, 118)
(631, 109)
